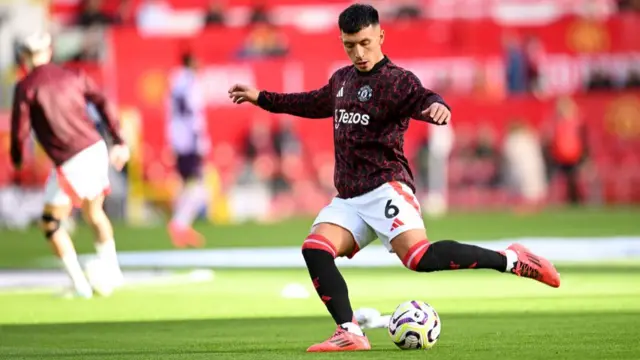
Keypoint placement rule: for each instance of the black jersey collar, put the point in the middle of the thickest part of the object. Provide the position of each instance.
(376, 67)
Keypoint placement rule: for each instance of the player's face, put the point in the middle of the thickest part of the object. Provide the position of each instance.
(364, 47)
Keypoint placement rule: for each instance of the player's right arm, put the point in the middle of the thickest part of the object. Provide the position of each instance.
(119, 154)
(316, 104)
(104, 107)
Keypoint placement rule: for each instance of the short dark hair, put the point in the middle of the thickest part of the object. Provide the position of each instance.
(357, 17)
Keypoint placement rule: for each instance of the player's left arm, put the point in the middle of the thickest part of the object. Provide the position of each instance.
(19, 126)
(421, 103)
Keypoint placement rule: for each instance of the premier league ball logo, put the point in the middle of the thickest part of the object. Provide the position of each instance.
(365, 93)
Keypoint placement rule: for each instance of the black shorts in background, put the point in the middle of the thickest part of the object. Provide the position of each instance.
(189, 166)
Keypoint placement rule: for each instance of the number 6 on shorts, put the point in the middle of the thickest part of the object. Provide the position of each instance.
(390, 210)
(399, 206)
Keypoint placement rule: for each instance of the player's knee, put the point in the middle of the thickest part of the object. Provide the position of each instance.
(93, 214)
(315, 243)
(49, 225)
(91, 218)
(419, 259)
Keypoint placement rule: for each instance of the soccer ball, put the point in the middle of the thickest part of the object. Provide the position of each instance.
(414, 325)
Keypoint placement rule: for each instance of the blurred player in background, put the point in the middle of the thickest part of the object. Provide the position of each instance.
(189, 140)
(53, 101)
(441, 140)
(371, 103)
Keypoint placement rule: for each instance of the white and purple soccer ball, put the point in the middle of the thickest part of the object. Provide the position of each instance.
(414, 325)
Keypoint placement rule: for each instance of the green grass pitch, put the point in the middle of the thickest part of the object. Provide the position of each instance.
(240, 314)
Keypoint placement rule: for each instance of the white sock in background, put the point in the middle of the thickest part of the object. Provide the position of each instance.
(106, 252)
(192, 199)
(75, 272)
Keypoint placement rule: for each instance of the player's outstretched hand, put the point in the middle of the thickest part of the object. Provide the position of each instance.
(118, 156)
(240, 93)
(439, 113)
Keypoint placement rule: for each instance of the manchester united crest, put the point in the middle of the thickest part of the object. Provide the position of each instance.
(365, 93)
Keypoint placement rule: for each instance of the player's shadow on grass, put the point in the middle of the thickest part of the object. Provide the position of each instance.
(276, 338)
(238, 336)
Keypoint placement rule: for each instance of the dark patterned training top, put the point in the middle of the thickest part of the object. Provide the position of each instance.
(371, 113)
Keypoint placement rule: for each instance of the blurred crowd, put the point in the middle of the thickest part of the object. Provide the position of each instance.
(523, 55)
(277, 176)
(264, 39)
(525, 169)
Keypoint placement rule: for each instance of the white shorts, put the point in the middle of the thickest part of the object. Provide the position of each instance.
(383, 213)
(84, 176)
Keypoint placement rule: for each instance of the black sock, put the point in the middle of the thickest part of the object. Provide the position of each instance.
(329, 284)
(452, 255)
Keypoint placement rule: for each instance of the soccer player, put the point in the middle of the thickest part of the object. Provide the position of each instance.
(187, 135)
(371, 103)
(53, 102)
